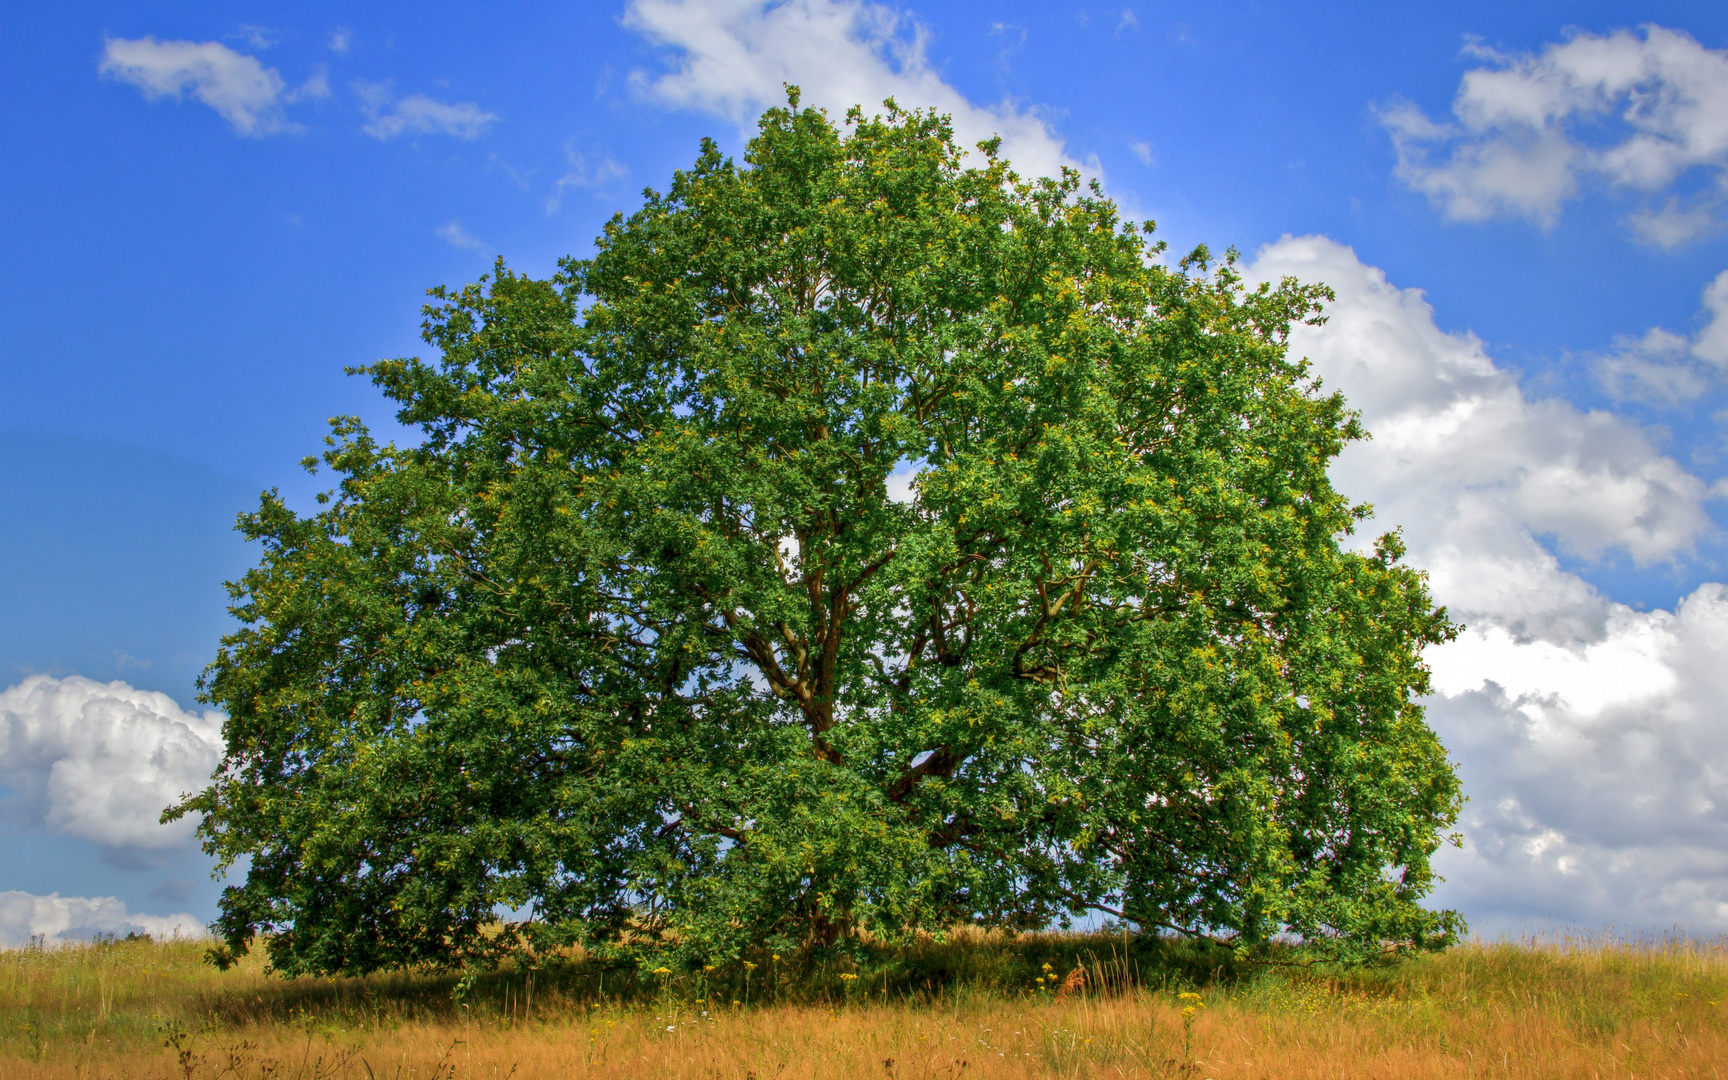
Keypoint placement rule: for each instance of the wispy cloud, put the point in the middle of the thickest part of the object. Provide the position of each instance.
(584, 173)
(418, 114)
(259, 37)
(340, 40)
(316, 86)
(1662, 366)
(1676, 222)
(241, 89)
(452, 233)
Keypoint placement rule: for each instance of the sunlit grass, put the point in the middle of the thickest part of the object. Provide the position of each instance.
(979, 1005)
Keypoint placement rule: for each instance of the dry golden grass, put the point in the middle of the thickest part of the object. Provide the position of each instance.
(971, 1009)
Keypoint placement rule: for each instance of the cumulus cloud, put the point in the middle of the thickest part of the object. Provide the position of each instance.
(1598, 771)
(1472, 468)
(1638, 109)
(418, 114)
(242, 91)
(733, 57)
(1589, 735)
(1663, 366)
(56, 919)
(102, 760)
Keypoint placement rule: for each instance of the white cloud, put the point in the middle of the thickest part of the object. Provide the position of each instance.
(1598, 773)
(1529, 174)
(1655, 367)
(733, 57)
(418, 114)
(1673, 224)
(1711, 344)
(902, 482)
(340, 41)
(1667, 367)
(316, 87)
(1142, 150)
(1590, 736)
(1638, 109)
(1508, 468)
(456, 236)
(243, 91)
(57, 919)
(102, 760)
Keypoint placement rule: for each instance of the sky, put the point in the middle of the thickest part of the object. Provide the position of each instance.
(209, 211)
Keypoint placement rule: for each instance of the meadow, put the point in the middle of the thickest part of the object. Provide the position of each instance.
(977, 1006)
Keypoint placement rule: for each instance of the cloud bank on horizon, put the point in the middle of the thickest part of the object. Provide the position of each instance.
(1589, 734)
(58, 920)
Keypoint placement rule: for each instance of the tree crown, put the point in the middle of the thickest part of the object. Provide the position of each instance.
(864, 539)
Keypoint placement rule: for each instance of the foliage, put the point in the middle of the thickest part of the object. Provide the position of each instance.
(637, 641)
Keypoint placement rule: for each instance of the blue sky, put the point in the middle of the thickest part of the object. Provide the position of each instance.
(207, 211)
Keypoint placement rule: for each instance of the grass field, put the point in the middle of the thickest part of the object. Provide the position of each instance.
(976, 1007)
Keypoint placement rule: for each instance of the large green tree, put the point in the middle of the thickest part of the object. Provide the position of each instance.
(647, 640)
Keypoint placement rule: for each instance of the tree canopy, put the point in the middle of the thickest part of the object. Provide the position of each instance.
(865, 540)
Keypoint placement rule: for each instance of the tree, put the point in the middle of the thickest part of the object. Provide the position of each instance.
(647, 641)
